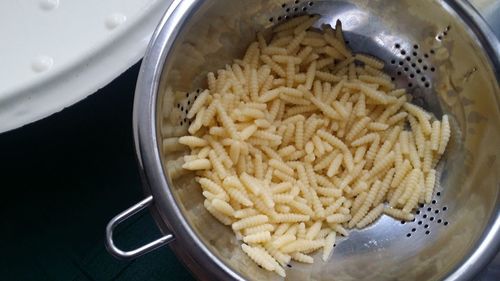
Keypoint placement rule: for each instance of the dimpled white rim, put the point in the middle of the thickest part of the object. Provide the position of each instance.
(54, 53)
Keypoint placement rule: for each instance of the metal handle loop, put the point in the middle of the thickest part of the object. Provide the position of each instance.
(115, 251)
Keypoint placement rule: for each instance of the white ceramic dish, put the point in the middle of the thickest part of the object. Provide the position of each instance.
(56, 52)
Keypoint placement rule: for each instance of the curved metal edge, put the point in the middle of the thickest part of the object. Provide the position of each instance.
(145, 134)
(201, 261)
(488, 245)
(126, 255)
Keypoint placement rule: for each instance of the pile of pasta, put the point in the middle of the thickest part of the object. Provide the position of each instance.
(302, 140)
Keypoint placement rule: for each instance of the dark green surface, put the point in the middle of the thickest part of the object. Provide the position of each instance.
(63, 178)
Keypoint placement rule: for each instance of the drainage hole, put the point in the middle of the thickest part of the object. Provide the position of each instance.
(427, 232)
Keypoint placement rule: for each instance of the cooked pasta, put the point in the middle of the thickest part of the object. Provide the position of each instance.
(301, 140)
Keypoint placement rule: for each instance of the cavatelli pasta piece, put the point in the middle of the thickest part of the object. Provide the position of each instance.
(411, 185)
(303, 258)
(386, 185)
(435, 135)
(429, 185)
(301, 245)
(328, 247)
(258, 237)
(382, 164)
(427, 162)
(197, 164)
(374, 214)
(445, 134)
(357, 128)
(331, 139)
(216, 214)
(368, 138)
(259, 228)
(366, 204)
(251, 183)
(243, 213)
(223, 207)
(415, 194)
(249, 222)
(335, 165)
(260, 257)
(369, 60)
(401, 172)
(398, 214)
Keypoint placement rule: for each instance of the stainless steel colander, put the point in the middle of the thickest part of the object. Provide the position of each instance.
(440, 51)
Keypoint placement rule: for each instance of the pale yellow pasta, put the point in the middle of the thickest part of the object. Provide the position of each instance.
(249, 222)
(445, 134)
(216, 214)
(417, 190)
(435, 135)
(291, 217)
(357, 127)
(368, 138)
(373, 94)
(401, 172)
(377, 126)
(386, 185)
(382, 164)
(403, 140)
(366, 204)
(377, 80)
(223, 207)
(310, 75)
(299, 134)
(303, 258)
(374, 214)
(296, 141)
(338, 218)
(197, 164)
(258, 228)
(414, 157)
(212, 187)
(328, 247)
(301, 245)
(276, 68)
(398, 214)
(301, 208)
(411, 185)
(258, 237)
(260, 257)
(251, 183)
(427, 161)
(244, 213)
(369, 60)
(217, 165)
(429, 185)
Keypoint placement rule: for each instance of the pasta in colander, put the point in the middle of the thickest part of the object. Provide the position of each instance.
(302, 139)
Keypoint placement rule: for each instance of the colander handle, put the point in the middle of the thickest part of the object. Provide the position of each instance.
(126, 255)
